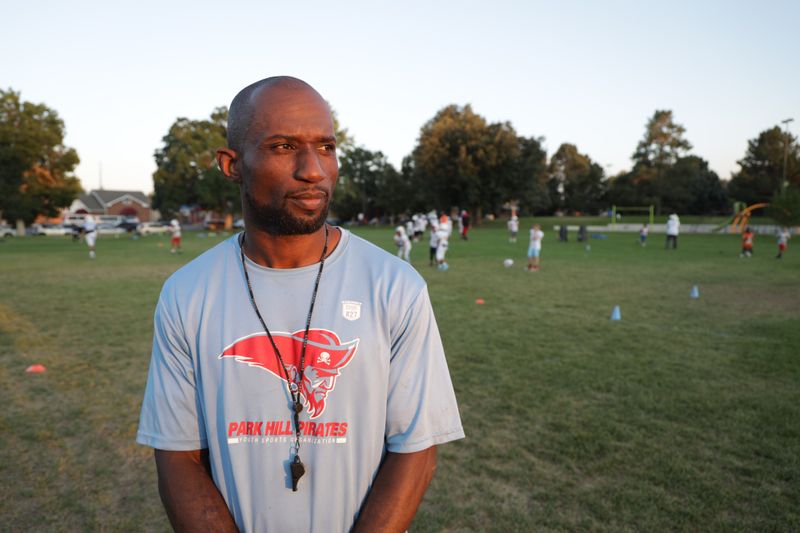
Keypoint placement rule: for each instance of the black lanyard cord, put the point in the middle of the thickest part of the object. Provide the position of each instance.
(294, 386)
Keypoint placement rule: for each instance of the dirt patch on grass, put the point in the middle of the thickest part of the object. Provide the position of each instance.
(755, 300)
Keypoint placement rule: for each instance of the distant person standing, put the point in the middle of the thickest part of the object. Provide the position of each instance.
(90, 234)
(433, 242)
(535, 247)
(409, 227)
(419, 226)
(783, 241)
(673, 229)
(403, 244)
(447, 223)
(643, 234)
(563, 233)
(175, 229)
(465, 222)
(513, 228)
(747, 243)
(433, 218)
(582, 236)
(442, 242)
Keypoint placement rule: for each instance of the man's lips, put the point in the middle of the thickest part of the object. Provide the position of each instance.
(310, 201)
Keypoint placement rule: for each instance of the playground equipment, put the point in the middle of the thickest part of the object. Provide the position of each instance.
(741, 218)
(641, 209)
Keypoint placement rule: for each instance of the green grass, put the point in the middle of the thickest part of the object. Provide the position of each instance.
(685, 415)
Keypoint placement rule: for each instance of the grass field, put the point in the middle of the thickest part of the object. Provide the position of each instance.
(685, 415)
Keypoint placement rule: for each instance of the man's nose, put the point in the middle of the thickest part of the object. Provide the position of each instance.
(309, 166)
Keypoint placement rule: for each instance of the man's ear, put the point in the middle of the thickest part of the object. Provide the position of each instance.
(227, 160)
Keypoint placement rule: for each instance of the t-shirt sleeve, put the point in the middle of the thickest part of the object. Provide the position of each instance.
(421, 405)
(171, 417)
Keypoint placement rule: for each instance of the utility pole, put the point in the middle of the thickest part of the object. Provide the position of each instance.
(785, 151)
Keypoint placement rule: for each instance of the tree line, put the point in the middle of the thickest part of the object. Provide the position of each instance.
(460, 160)
(36, 168)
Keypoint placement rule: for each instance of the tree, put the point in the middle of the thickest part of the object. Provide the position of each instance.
(344, 141)
(461, 160)
(785, 207)
(445, 157)
(187, 172)
(576, 179)
(395, 193)
(513, 172)
(36, 169)
(689, 186)
(369, 184)
(663, 142)
(761, 170)
(663, 175)
(362, 175)
(622, 190)
(531, 170)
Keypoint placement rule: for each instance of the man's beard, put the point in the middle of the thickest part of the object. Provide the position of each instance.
(279, 221)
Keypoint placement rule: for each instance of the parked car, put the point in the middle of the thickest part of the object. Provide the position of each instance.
(6, 231)
(152, 228)
(109, 229)
(239, 224)
(129, 224)
(57, 230)
(112, 220)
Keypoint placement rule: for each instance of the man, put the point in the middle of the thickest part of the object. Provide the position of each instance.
(433, 242)
(535, 247)
(443, 232)
(297, 381)
(409, 227)
(563, 233)
(673, 229)
(90, 234)
(175, 241)
(419, 226)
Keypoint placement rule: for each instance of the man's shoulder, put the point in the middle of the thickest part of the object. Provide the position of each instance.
(194, 274)
(381, 262)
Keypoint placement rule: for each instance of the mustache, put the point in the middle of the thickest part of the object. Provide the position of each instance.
(315, 192)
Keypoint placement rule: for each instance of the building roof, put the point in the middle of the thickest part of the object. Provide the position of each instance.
(108, 198)
(90, 203)
(98, 201)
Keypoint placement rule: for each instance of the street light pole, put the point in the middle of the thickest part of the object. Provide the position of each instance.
(785, 151)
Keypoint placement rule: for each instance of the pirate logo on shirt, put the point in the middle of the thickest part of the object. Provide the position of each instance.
(326, 356)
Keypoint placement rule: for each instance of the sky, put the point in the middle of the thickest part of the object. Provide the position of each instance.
(586, 72)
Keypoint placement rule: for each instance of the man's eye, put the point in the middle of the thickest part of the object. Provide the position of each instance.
(283, 146)
(329, 147)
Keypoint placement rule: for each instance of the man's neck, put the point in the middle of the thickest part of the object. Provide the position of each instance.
(288, 251)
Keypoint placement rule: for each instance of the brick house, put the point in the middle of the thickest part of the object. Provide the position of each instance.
(103, 202)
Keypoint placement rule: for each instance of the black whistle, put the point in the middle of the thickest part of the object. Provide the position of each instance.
(297, 469)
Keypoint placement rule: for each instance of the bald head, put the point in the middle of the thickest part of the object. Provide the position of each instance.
(242, 110)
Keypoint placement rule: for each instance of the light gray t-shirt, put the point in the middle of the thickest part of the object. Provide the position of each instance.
(376, 380)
